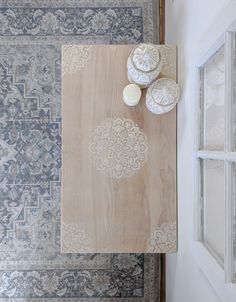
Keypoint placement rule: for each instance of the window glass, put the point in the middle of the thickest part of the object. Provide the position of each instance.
(234, 219)
(214, 102)
(234, 97)
(213, 208)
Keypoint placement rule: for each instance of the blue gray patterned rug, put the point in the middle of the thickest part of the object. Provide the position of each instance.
(31, 266)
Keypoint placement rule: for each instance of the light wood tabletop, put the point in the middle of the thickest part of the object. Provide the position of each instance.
(118, 162)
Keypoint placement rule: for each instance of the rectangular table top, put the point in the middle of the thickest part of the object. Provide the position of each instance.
(118, 162)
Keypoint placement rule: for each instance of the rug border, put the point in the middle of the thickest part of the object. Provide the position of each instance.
(150, 14)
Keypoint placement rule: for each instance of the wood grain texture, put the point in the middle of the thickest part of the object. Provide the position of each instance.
(101, 213)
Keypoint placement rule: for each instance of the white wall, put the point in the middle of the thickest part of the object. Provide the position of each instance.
(194, 25)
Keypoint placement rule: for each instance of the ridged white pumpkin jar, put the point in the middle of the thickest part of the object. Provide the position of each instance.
(144, 65)
(162, 96)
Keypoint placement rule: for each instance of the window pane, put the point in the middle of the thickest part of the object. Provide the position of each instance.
(234, 220)
(214, 102)
(234, 96)
(213, 208)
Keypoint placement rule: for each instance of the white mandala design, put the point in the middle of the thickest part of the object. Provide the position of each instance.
(75, 239)
(74, 58)
(119, 147)
(163, 240)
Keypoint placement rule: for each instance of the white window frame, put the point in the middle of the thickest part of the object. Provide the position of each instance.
(215, 274)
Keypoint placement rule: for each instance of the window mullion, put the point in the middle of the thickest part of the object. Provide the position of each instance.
(198, 201)
(229, 62)
(228, 223)
(216, 155)
(198, 108)
(230, 156)
(198, 145)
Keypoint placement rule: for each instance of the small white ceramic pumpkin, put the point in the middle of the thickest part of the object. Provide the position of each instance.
(144, 65)
(162, 96)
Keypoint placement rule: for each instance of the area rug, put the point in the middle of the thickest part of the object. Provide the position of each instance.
(31, 265)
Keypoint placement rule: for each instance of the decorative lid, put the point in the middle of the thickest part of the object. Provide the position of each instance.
(146, 57)
(162, 96)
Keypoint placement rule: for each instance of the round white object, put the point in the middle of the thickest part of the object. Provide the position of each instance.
(162, 96)
(144, 65)
(131, 94)
(145, 57)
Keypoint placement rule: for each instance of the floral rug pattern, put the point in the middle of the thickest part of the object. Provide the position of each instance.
(31, 265)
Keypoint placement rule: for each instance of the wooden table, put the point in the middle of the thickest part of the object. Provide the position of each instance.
(119, 162)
